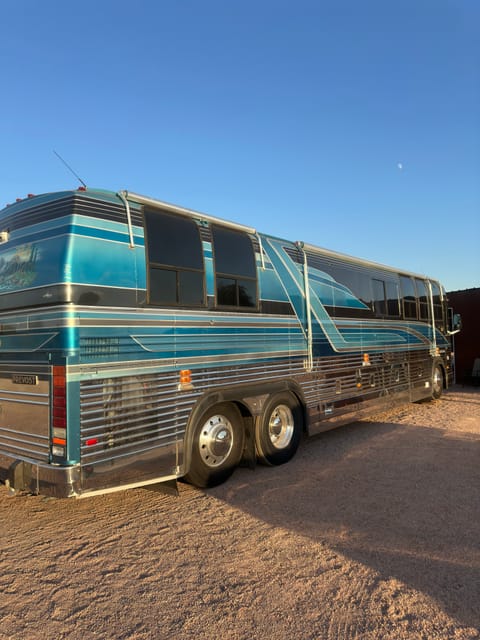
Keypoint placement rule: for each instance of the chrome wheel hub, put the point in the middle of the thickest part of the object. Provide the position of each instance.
(281, 426)
(216, 440)
(437, 380)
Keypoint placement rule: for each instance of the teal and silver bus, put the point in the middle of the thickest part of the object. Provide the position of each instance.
(143, 342)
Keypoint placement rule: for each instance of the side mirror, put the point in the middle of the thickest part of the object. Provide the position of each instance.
(454, 321)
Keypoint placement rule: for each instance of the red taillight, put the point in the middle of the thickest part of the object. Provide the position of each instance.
(59, 411)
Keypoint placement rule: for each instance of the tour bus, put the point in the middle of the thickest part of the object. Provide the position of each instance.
(142, 342)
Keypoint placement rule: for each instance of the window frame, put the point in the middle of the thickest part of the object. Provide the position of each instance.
(237, 278)
(405, 301)
(423, 305)
(439, 307)
(378, 283)
(178, 269)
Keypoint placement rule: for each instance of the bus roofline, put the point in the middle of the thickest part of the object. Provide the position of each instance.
(136, 197)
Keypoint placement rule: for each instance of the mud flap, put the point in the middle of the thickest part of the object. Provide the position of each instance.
(249, 456)
(168, 487)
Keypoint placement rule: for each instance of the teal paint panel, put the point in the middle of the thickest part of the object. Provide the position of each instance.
(98, 262)
(26, 342)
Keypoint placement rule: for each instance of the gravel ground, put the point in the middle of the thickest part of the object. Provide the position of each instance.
(372, 531)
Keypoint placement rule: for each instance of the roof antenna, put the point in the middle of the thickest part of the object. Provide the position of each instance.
(70, 168)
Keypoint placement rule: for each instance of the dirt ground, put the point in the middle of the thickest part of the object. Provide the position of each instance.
(371, 531)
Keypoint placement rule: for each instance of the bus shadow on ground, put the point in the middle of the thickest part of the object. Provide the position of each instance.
(403, 500)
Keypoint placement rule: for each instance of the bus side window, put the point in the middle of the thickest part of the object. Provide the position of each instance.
(235, 269)
(357, 282)
(393, 303)
(409, 298)
(422, 298)
(385, 298)
(437, 306)
(175, 270)
(379, 300)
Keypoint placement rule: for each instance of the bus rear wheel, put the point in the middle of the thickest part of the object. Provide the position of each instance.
(217, 446)
(279, 429)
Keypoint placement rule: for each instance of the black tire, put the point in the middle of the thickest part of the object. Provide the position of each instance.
(437, 382)
(279, 429)
(217, 446)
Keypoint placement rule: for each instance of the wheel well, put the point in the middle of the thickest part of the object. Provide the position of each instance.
(237, 396)
(248, 413)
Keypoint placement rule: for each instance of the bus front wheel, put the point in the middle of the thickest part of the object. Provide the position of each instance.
(217, 446)
(437, 382)
(279, 429)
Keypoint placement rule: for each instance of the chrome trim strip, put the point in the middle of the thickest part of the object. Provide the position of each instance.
(197, 215)
(132, 485)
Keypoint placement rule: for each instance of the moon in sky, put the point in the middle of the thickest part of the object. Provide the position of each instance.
(400, 166)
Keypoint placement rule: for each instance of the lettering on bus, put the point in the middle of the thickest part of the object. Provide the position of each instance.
(24, 379)
(99, 347)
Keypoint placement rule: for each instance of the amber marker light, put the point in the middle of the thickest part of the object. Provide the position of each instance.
(186, 376)
(185, 383)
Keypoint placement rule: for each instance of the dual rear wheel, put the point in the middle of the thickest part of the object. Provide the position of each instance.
(279, 429)
(219, 437)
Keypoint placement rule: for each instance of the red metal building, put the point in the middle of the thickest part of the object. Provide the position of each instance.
(467, 342)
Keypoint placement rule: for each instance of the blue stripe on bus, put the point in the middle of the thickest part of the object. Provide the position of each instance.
(37, 234)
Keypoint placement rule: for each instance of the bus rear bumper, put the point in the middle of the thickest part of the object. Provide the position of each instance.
(37, 478)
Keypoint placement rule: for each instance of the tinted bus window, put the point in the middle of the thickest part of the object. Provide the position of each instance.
(422, 298)
(175, 260)
(357, 281)
(408, 297)
(393, 303)
(235, 269)
(385, 298)
(437, 306)
(379, 302)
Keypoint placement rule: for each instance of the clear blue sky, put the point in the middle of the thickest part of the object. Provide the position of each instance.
(351, 125)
